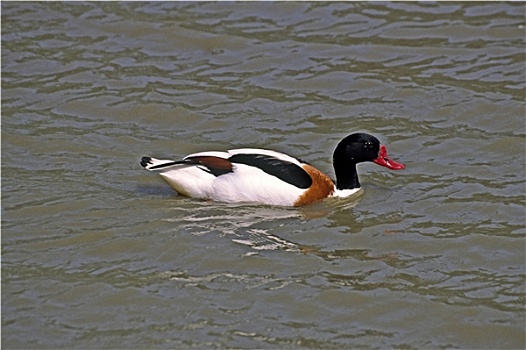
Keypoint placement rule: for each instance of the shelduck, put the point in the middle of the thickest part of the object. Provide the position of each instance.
(270, 177)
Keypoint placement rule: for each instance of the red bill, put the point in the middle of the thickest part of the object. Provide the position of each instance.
(387, 162)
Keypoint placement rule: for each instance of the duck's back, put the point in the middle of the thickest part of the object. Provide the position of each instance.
(244, 175)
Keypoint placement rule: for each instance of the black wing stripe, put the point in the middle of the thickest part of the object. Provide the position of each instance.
(166, 165)
(213, 165)
(283, 170)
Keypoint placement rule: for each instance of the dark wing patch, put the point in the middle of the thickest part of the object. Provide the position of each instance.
(215, 165)
(283, 170)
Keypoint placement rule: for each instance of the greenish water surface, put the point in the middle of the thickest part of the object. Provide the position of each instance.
(98, 253)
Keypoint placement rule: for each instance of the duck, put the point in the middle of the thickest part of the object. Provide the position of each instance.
(269, 177)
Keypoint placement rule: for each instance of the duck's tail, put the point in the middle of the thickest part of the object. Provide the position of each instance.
(153, 164)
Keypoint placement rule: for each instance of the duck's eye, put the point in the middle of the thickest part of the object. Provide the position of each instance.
(367, 144)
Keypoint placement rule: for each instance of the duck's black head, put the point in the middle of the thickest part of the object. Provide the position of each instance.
(358, 148)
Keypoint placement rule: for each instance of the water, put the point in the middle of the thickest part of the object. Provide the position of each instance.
(98, 253)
